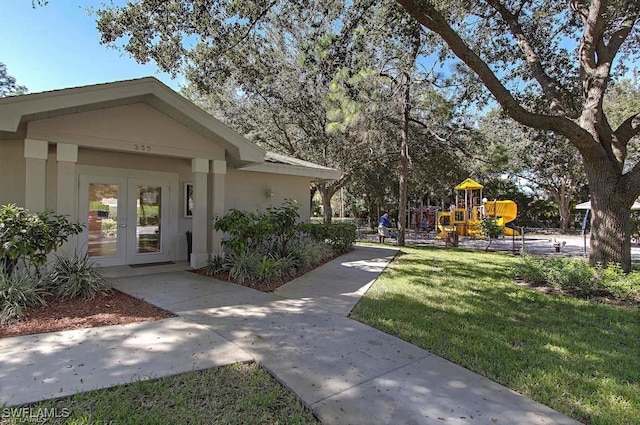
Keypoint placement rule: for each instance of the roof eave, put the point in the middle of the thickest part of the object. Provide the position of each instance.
(16, 111)
(293, 170)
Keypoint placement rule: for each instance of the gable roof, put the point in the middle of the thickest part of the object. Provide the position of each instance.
(17, 111)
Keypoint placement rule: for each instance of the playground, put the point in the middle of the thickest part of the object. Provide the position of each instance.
(538, 243)
(460, 227)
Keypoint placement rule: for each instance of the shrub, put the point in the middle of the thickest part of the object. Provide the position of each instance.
(562, 273)
(340, 236)
(269, 269)
(243, 265)
(490, 229)
(29, 237)
(282, 222)
(216, 264)
(307, 253)
(18, 291)
(578, 275)
(613, 280)
(530, 269)
(269, 245)
(77, 276)
(244, 229)
(253, 229)
(288, 265)
(299, 252)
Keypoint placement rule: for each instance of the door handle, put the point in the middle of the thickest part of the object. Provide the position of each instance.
(123, 225)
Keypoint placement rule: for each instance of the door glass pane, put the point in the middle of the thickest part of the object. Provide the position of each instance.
(149, 200)
(103, 220)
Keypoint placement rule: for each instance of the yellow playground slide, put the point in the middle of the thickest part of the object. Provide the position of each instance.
(505, 212)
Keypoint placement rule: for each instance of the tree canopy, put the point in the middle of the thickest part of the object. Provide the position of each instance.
(548, 63)
(545, 161)
(8, 84)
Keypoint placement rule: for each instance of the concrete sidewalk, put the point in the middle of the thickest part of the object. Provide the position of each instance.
(347, 372)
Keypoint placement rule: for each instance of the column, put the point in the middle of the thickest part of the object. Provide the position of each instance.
(219, 171)
(199, 222)
(67, 189)
(35, 153)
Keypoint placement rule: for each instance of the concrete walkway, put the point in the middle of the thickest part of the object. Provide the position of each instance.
(347, 372)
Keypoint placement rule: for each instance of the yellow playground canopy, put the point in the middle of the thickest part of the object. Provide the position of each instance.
(469, 184)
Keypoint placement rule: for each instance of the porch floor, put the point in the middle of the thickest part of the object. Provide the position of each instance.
(128, 271)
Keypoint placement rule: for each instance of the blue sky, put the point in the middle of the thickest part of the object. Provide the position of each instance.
(58, 46)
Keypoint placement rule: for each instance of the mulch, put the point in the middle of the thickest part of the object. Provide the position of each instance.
(262, 285)
(109, 308)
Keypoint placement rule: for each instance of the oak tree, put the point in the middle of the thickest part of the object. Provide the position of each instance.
(565, 53)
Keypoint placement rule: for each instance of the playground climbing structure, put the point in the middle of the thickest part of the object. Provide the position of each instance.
(470, 208)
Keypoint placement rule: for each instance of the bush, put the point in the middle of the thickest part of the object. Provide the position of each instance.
(250, 230)
(340, 236)
(490, 230)
(18, 291)
(243, 265)
(530, 269)
(269, 269)
(269, 245)
(287, 263)
(78, 276)
(576, 275)
(307, 253)
(28, 237)
(216, 264)
(613, 280)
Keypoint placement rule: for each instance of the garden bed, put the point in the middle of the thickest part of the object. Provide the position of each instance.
(109, 308)
(262, 285)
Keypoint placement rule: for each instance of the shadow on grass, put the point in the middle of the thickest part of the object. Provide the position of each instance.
(578, 357)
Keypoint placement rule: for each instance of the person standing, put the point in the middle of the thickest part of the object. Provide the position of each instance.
(383, 228)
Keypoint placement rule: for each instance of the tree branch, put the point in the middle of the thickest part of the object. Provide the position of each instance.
(594, 26)
(334, 186)
(618, 37)
(628, 129)
(580, 6)
(252, 24)
(430, 18)
(549, 85)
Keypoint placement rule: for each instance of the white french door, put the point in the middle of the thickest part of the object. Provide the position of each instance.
(127, 219)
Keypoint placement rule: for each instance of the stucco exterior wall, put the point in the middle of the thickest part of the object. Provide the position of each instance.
(12, 172)
(151, 141)
(139, 137)
(137, 128)
(102, 136)
(249, 190)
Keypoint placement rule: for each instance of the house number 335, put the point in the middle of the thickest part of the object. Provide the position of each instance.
(142, 148)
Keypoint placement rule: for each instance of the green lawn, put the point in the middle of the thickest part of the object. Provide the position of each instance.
(237, 394)
(576, 356)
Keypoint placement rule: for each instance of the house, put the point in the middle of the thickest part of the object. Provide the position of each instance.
(140, 166)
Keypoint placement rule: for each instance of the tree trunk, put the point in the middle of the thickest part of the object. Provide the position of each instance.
(610, 220)
(611, 195)
(610, 240)
(565, 216)
(564, 203)
(404, 161)
(327, 190)
(326, 193)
